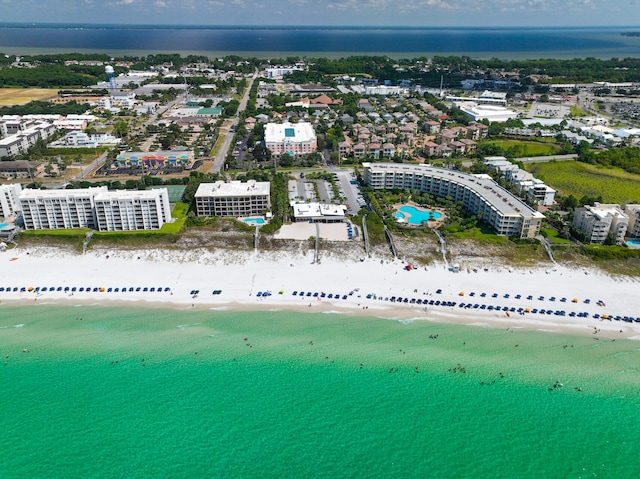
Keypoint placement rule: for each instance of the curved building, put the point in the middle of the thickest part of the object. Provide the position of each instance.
(501, 210)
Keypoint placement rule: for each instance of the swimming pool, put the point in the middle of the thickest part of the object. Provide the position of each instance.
(634, 243)
(416, 216)
(254, 221)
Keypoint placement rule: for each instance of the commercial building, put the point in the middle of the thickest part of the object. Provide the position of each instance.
(233, 199)
(155, 159)
(318, 212)
(598, 222)
(493, 113)
(123, 210)
(9, 200)
(290, 138)
(20, 169)
(502, 211)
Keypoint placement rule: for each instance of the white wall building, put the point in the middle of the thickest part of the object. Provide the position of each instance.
(59, 209)
(506, 214)
(294, 138)
(95, 208)
(124, 210)
(633, 212)
(598, 222)
(233, 199)
(25, 139)
(9, 199)
(493, 113)
(318, 212)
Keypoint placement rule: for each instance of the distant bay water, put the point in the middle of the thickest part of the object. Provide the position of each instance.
(271, 42)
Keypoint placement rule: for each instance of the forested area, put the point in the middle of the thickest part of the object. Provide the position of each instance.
(46, 108)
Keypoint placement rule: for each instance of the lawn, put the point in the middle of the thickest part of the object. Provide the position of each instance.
(21, 96)
(579, 179)
(522, 148)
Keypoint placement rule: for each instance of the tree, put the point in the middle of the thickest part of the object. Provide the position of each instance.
(121, 128)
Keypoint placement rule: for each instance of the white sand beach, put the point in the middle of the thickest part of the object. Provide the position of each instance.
(177, 274)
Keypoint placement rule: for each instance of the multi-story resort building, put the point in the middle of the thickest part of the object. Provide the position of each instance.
(633, 212)
(59, 209)
(21, 141)
(598, 222)
(95, 208)
(505, 213)
(291, 138)
(132, 210)
(233, 199)
(9, 199)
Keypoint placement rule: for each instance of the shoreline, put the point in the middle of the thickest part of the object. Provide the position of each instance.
(241, 275)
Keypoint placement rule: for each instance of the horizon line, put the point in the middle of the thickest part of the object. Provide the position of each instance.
(254, 26)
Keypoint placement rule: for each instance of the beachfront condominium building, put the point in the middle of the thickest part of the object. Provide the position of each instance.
(95, 208)
(9, 199)
(59, 209)
(132, 210)
(633, 212)
(291, 138)
(233, 199)
(502, 211)
(599, 222)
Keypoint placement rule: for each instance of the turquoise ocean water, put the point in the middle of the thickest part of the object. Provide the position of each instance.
(108, 392)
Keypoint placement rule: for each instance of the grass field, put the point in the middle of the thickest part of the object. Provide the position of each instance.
(580, 179)
(20, 96)
(526, 148)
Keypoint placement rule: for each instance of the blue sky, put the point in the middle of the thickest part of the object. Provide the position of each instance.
(327, 12)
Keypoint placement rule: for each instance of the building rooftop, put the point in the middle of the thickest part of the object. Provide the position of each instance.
(296, 132)
(233, 188)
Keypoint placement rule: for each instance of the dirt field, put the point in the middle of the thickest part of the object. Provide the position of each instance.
(20, 96)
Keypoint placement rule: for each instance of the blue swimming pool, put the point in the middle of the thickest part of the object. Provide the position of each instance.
(254, 221)
(633, 243)
(2, 225)
(416, 216)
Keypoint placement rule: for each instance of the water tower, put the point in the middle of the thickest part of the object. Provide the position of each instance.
(110, 78)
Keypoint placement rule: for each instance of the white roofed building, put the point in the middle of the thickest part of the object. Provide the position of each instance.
(9, 199)
(318, 212)
(59, 209)
(598, 222)
(132, 210)
(497, 207)
(291, 138)
(633, 212)
(233, 199)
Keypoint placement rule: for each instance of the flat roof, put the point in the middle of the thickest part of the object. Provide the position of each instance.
(316, 210)
(233, 188)
(128, 194)
(294, 132)
(497, 196)
(66, 193)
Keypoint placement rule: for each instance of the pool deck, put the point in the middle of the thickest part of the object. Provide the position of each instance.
(431, 223)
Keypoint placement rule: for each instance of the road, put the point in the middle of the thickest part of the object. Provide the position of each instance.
(218, 161)
(539, 159)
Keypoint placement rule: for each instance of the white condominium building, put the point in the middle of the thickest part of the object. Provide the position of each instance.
(124, 210)
(598, 222)
(9, 199)
(293, 138)
(633, 212)
(95, 208)
(505, 213)
(233, 199)
(58, 209)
